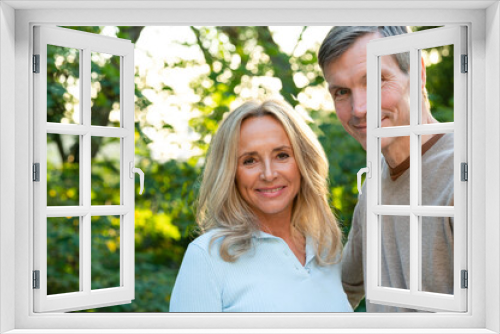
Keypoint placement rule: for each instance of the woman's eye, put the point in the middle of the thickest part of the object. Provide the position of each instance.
(283, 155)
(248, 161)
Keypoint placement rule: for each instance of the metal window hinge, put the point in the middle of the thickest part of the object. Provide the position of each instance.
(36, 279)
(464, 171)
(465, 64)
(465, 279)
(36, 63)
(36, 172)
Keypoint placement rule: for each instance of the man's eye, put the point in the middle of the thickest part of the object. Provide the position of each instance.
(283, 156)
(341, 92)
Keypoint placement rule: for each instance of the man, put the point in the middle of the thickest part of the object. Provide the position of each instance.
(342, 57)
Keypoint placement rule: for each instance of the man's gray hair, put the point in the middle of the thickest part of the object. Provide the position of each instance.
(341, 38)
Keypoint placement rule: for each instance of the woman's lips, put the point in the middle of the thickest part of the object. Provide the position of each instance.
(271, 192)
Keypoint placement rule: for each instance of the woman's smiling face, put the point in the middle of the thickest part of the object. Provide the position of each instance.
(267, 176)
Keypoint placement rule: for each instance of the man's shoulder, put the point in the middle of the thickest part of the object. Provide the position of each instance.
(446, 142)
(442, 150)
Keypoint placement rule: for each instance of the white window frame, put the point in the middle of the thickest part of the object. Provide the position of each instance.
(16, 21)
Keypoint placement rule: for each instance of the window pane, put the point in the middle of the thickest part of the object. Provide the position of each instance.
(63, 255)
(63, 169)
(105, 171)
(105, 252)
(436, 236)
(63, 85)
(105, 89)
(437, 170)
(395, 90)
(395, 251)
(395, 171)
(439, 83)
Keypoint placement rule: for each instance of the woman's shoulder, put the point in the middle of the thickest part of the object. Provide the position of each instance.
(208, 241)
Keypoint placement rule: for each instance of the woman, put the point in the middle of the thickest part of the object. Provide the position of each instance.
(270, 242)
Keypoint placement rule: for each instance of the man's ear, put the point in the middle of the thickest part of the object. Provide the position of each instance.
(423, 74)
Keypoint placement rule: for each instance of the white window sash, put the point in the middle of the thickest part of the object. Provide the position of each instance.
(412, 43)
(86, 297)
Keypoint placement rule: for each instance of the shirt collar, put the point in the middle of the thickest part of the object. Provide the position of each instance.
(263, 235)
(310, 253)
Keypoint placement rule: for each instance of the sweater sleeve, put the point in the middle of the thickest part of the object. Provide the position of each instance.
(352, 261)
(196, 288)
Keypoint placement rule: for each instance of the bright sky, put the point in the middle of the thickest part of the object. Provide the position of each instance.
(158, 45)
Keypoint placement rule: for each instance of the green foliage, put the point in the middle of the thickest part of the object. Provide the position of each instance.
(345, 157)
(440, 81)
(165, 214)
(62, 255)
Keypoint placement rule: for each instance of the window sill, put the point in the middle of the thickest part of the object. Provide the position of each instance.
(247, 331)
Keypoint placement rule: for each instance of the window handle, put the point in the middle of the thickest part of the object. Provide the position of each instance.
(368, 171)
(134, 170)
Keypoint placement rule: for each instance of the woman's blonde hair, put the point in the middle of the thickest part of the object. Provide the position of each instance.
(221, 206)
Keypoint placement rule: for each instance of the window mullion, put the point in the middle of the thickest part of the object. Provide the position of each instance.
(81, 178)
(85, 164)
(86, 253)
(373, 191)
(376, 172)
(123, 176)
(414, 168)
(417, 116)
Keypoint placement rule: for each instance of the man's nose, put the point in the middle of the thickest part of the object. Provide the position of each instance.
(359, 103)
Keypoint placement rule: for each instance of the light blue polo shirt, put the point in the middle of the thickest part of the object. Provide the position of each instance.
(268, 278)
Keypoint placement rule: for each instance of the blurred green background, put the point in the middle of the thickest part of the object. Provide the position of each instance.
(219, 77)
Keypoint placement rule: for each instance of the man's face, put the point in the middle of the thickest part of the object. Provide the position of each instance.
(346, 78)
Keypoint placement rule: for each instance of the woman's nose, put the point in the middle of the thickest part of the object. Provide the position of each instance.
(268, 172)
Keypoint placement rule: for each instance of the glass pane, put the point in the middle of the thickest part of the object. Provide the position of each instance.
(63, 169)
(395, 90)
(437, 254)
(105, 171)
(63, 255)
(438, 170)
(439, 65)
(63, 85)
(105, 252)
(395, 170)
(105, 89)
(395, 251)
